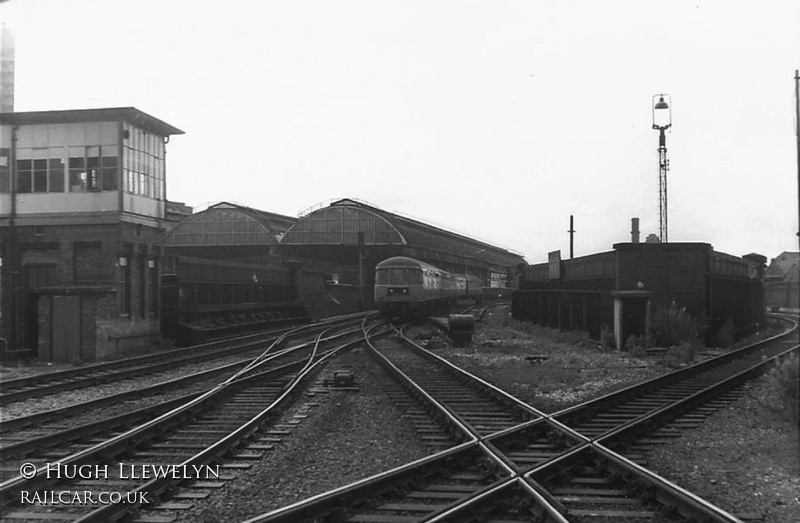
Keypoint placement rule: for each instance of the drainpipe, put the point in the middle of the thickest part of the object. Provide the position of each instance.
(163, 181)
(12, 243)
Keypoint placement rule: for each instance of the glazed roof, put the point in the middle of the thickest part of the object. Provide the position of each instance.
(784, 266)
(383, 227)
(228, 223)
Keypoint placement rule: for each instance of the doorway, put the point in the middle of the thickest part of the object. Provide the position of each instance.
(66, 330)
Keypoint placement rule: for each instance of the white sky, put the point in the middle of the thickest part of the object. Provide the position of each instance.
(496, 119)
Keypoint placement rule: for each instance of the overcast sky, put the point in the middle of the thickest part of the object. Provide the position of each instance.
(496, 119)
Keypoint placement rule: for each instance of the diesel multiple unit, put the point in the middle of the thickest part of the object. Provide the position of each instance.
(405, 286)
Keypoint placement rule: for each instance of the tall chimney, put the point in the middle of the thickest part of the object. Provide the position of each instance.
(634, 230)
(6, 70)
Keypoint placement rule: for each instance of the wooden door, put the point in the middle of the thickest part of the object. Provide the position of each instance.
(66, 336)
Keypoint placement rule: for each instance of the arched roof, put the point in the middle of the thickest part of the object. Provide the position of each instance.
(340, 224)
(342, 220)
(229, 224)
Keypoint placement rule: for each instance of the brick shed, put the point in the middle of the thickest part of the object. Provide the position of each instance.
(630, 289)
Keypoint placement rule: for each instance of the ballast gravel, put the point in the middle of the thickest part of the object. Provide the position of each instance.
(71, 397)
(347, 436)
(744, 459)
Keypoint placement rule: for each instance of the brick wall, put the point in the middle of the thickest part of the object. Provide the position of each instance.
(670, 271)
(89, 262)
(86, 263)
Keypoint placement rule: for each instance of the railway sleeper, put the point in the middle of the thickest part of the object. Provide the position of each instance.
(258, 446)
(245, 455)
(600, 500)
(420, 494)
(377, 518)
(190, 495)
(612, 514)
(170, 505)
(407, 507)
(180, 446)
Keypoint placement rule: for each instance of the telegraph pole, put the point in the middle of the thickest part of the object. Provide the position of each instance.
(571, 232)
(797, 134)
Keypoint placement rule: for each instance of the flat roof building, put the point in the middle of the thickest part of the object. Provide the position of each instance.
(634, 289)
(82, 209)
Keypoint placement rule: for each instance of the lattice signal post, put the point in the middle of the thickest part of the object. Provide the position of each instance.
(662, 120)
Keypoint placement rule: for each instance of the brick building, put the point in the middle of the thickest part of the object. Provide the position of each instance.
(630, 290)
(782, 282)
(82, 214)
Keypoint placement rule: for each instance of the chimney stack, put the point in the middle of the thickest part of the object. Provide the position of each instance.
(634, 230)
(6, 70)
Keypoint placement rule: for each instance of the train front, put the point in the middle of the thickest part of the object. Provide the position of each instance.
(399, 289)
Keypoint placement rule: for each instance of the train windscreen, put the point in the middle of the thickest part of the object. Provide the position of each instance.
(382, 277)
(398, 277)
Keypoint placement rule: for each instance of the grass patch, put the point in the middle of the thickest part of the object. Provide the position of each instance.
(529, 330)
(782, 390)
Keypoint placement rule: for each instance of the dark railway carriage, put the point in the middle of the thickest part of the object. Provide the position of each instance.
(220, 297)
(405, 286)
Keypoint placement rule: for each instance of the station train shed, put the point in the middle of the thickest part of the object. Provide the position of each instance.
(337, 246)
(228, 231)
(348, 228)
(641, 290)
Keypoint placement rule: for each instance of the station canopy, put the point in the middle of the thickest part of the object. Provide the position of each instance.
(343, 221)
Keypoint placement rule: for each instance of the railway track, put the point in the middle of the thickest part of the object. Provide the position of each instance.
(221, 428)
(595, 417)
(542, 469)
(44, 438)
(237, 346)
(473, 401)
(113, 372)
(525, 469)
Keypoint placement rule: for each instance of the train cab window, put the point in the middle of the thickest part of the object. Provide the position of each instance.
(398, 276)
(382, 277)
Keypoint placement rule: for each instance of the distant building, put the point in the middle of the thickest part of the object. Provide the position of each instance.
(782, 282)
(177, 211)
(633, 289)
(82, 212)
(356, 236)
(228, 231)
(337, 246)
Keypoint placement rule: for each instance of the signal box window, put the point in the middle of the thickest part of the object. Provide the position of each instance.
(109, 169)
(91, 171)
(55, 174)
(40, 175)
(24, 173)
